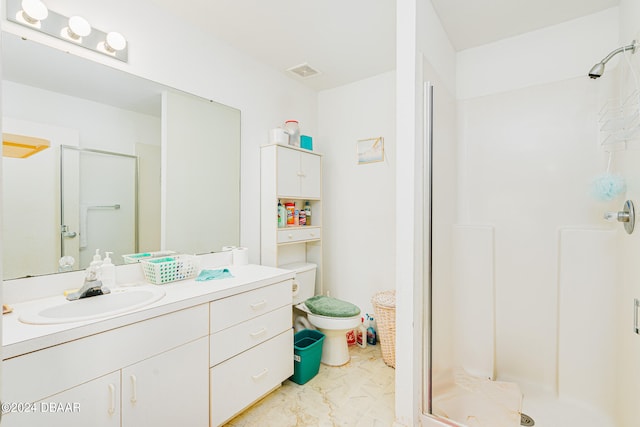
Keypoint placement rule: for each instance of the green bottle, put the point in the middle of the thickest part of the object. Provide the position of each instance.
(282, 215)
(307, 211)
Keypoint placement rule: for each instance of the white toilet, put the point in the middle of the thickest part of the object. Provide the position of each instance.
(335, 351)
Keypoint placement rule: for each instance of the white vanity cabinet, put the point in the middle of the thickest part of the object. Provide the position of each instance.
(170, 389)
(95, 403)
(290, 174)
(251, 348)
(152, 372)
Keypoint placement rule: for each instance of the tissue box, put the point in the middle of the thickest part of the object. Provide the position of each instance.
(306, 142)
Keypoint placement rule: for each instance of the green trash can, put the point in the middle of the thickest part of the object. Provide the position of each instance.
(307, 352)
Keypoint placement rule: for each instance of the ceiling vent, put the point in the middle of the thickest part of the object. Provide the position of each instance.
(304, 71)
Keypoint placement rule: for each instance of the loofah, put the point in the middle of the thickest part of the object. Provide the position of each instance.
(608, 186)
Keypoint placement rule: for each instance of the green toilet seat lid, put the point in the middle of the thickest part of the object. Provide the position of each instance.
(331, 307)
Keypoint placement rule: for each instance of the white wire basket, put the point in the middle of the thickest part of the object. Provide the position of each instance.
(170, 269)
(134, 258)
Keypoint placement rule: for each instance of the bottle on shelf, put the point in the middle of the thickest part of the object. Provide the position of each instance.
(307, 213)
(302, 217)
(290, 207)
(282, 215)
(296, 216)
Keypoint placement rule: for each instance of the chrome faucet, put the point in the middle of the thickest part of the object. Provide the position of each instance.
(92, 286)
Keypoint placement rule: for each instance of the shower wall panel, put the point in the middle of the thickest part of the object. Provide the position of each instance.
(588, 285)
(529, 156)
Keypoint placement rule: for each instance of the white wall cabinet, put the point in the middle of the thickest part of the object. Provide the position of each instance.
(298, 173)
(290, 174)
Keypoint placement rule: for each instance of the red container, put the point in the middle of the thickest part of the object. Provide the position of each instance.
(291, 208)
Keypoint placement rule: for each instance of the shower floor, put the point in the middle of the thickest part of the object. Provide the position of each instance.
(548, 410)
(475, 401)
(478, 402)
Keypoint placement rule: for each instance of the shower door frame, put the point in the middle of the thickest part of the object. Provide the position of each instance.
(427, 418)
(427, 244)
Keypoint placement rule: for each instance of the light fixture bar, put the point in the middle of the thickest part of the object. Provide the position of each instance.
(21, 146)
(59, 26)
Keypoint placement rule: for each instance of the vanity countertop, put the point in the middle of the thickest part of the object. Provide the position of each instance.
(19, 338)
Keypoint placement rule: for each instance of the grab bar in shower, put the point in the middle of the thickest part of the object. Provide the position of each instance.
(116, 207)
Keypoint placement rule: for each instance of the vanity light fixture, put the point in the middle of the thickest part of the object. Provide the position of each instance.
(77, 29)
(22, 146)
(34, 14)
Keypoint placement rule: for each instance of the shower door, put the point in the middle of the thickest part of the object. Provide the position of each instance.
(99, 206)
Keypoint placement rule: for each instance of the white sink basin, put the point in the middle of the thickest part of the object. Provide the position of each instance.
(117, 302)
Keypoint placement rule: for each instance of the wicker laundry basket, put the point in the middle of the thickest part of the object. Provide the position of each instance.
(384, 306)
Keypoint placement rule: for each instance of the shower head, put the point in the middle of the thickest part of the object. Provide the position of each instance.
(598, 69)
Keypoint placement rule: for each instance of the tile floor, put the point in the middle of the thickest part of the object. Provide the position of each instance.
(358, 394)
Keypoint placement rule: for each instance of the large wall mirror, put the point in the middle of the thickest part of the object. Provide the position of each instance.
(132, 166)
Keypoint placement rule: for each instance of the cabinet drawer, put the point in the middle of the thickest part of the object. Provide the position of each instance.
(240, 381)
(238, 338)
(298, 234)
(248, 305)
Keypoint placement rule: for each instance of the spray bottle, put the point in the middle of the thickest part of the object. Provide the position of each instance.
(371, 332)
(361, 334)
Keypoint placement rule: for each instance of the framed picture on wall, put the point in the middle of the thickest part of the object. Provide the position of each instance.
(370, 150)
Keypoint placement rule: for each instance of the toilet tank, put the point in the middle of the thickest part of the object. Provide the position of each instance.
(304, 284)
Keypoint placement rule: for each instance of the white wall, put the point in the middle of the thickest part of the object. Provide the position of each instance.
(178, 55)
(118, 130)
(544, 56)
(358, 227)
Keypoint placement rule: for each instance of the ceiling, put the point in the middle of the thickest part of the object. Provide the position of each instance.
(351, 40)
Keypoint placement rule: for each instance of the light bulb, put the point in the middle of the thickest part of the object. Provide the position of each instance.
(115, 42)
(33, 11)
(78, 27)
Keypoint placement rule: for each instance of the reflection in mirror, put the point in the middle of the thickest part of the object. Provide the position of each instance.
(90, 108)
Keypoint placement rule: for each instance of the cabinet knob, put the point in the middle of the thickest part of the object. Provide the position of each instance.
(290, 236)
(264, 372)
(112, 399)
(258, 333)
(258, 305)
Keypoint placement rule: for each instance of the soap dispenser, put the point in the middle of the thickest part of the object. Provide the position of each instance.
(94, 271)
(97, 259)
(108, 271)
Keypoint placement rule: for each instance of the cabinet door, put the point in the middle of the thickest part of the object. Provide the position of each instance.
(170, 389)
(309, 176)
(95, 403)
(288, 172)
